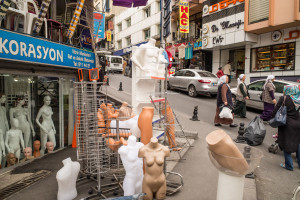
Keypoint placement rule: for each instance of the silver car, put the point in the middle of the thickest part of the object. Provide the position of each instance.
(255, 89)
(194, 82)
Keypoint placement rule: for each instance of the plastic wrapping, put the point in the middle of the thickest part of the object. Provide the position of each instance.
(255, 132)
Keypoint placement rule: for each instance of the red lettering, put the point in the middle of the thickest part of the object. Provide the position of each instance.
(241, 0)
(184, 16)
(214, 8)
(184, 9)
(293, 35)
(231, 2)
(223, 4)
(184, 22)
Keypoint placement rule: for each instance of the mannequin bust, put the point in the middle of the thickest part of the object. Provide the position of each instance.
(27, 154)
(154, 182)
(3, 119)
(47, 126)
(10, 159)
(145, 124)
(36, 148)
(221, 144)
(2, 147)
(25, 125)
(14, 139)
(50, 147)
(133, 166)
(66, 179)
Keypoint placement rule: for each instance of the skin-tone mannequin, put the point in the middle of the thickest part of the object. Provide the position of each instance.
(145, 124)
(50, 147)
(224, 150)
(154, 182)
(14, 139)
(133, 166)
(3, 119)
(10, 159)
(25, 125)
(2, 146)
(101, 121)
(170, 124)
(27, 154)
(66, 179)
(125, 112)
(47, 126)
(36, 148)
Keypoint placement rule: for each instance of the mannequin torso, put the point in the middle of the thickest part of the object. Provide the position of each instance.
(145, 124)
(14, 139)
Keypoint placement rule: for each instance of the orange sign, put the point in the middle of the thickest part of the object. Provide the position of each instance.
(184, 16)
(223, 4)
(293, 35)
(108, 36)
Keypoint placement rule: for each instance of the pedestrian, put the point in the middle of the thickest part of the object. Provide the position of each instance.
(288, 135)
(268, 97)
(224, 98)
(241, 97)
(124, 65)
(227, 70)
(220, 73)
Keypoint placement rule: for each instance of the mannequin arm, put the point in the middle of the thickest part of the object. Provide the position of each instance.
(38, 122)
(53, 127)
(2, 143)
(6, 142)
(22, 142)
(11, 114)
(6, 122)
(31, 126)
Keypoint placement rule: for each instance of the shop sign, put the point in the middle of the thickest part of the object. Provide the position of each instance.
(205, 41)
(184, 16)
(205, 9)
(226, 24)
(218, 40)
(214, 28)
(293, 35)
(99, 24)
(223, 4)
(86, 39)
(197, 45)
(205, 28)
(108, 36)
(276, 36)
(20, 47)
(110, 25)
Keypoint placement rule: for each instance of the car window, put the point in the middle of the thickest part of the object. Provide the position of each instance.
(189, 74)
(116, 60)
(206, 74)
(257, 86)
(179, 73)
(279, 87)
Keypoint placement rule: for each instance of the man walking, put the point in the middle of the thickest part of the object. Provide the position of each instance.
(227, 70)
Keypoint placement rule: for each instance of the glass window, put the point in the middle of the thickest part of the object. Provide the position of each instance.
(128, 41)
(258, 11)
(189, 74)
(206, 74)
(273, 58)
(116, 60)
(147, 12)
(120, 27)
(119, 44)
(256, 86)
(179, 73)
(147, 33)
(128, 21)
(279, 87)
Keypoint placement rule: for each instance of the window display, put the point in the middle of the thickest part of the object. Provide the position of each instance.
(273, 58)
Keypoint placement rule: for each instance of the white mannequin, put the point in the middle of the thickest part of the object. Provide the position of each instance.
(14, 139)
(47, 126)
(130, 123)
(25, 125)
(133, 166)
(3, 119)
(2, 147)
(66, 179)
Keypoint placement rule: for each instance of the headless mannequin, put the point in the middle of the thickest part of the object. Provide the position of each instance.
(10, 159)
(133, 166)
(130, 123)
(66, 178)
(3, 119)
(145, 124)
(14, 139)
(154, 182)
(125, 112)
(47, 126)
(221, 144)
(36, 147)
(25, 125)
(50, 147)
(2, 147)
(27, 154)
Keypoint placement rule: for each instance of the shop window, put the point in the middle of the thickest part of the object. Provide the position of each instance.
(147, 12)
(258, 11)
(256, 86)
(147, 33)
(273, 58)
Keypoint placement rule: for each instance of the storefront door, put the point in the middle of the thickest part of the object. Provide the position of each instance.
(237, 57)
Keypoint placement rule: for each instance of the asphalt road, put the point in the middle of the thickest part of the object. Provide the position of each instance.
(272, 181)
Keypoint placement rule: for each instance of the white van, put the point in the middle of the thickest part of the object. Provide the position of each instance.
(116, 63)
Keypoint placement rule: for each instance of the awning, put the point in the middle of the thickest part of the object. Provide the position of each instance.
(130, 3)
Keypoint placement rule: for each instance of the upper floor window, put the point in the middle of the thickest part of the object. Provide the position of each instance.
(128, 39)
(258, 11)
(128, 22)
(147, 33)
(120, 44)
(120, 27)
(147, 12)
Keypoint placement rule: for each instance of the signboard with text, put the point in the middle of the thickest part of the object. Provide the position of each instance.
(24, 48)
(108, 36)
(184, 16)
(99, 24)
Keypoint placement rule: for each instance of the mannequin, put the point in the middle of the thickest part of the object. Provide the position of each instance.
(3, 119)
(145, 124)
(50, 147)
(66, 179)
(133, 166)
(10, 159)
(2, 147)
(125, 112)
(27, 154)
(101, 121)
(132, 124)
(221, 144)
(25, 125)
(36, 147)
(14, 139)
(170, 124)
(154, 182)
(47, 127)
(115, 145)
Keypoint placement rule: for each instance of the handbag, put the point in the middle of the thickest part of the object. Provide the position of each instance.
(280, 117)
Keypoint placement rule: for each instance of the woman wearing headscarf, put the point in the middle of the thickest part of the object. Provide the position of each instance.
(224, 98)
(289, 135)
(268, 97)
(241, 96)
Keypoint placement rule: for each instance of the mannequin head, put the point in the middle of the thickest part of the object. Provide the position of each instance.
(14, 123)
(131, 140)
(47, 100)
(36, 145)
(50, 147)
(20, 101)
(28, 152)
(10, 159)
(2, 98)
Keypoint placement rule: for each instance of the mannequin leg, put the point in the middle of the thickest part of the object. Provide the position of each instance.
(161, 192)
(128, 186)
(27, 137)
(148, 191)
(17, 154)
(43, 142)
(52, 138)
(138, 184)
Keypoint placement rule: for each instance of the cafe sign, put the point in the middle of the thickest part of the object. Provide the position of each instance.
(184, 16)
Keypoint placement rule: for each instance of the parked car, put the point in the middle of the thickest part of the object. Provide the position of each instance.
(194, 82)
(255, 89)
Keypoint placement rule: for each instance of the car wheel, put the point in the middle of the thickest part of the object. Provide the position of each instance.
(192, 91)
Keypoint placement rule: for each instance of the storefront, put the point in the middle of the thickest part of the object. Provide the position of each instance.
(36, 92)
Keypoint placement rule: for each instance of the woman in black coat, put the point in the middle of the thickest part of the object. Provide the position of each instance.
(289, 135)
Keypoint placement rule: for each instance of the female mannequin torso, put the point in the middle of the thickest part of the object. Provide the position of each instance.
(14, 139)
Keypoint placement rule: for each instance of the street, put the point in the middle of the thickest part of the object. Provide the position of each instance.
(272, 182)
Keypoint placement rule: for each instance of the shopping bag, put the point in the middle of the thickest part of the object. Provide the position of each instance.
(280, 117)
(255, 132)
(226, 113)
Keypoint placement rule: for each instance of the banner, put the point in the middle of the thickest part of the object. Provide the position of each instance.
(99, 24)
(108, 36)
(75, 18)
(86, 39)
(184, 16)
(24, 48)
